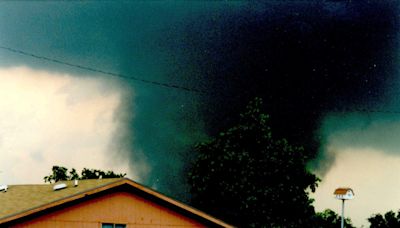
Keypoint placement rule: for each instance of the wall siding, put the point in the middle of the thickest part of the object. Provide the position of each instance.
(118, 207)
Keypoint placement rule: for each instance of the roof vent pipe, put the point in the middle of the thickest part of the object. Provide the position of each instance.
(59, 186)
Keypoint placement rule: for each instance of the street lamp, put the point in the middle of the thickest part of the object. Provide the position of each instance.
(343, 194)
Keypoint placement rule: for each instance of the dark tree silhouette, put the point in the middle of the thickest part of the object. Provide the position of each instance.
(389, 220)
(329, 219)
(250, 179)
(96, 174)
(59, 173)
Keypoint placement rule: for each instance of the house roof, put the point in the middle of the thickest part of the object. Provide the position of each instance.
(342, 191)
(24, 200)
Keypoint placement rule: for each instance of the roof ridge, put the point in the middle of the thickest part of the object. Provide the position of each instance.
(91, 187)
(42, 184)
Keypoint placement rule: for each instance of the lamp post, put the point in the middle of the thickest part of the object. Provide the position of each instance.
(343, 194)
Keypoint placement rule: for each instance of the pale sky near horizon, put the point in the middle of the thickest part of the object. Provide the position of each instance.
(49, 118)
(372, 174)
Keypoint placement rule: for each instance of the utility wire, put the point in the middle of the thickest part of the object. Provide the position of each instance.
(372, 111)
(157, 83)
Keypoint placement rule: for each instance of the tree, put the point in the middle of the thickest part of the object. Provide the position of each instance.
(59, 173)
(96, 174)
(73, 175)
(250, 179)
(329, 219)
(389, 220)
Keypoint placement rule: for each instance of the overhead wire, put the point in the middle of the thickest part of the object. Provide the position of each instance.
(366, 110)
(153, 82)
(96, 70)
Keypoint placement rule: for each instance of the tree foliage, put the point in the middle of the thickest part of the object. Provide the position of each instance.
(60, 173)
(250, 179)
(389, 220)
(329, 219)
(96, 174)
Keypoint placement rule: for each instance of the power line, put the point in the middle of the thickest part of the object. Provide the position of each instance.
(48, 59)
(157, 83)
(364, 110)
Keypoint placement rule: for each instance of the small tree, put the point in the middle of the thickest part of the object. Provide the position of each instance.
(73, 175)
(329, 219)
(389, 220)
(96, 174)
(250, 179)
(59, 173)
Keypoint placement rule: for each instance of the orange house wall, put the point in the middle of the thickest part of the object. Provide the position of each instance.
(119, 207)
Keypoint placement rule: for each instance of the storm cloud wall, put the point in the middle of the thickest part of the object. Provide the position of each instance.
(304, 58)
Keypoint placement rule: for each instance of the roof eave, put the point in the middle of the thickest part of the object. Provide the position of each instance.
(111, 185)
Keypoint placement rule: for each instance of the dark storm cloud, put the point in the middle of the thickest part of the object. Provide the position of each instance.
(158, 125)
(305, 58)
